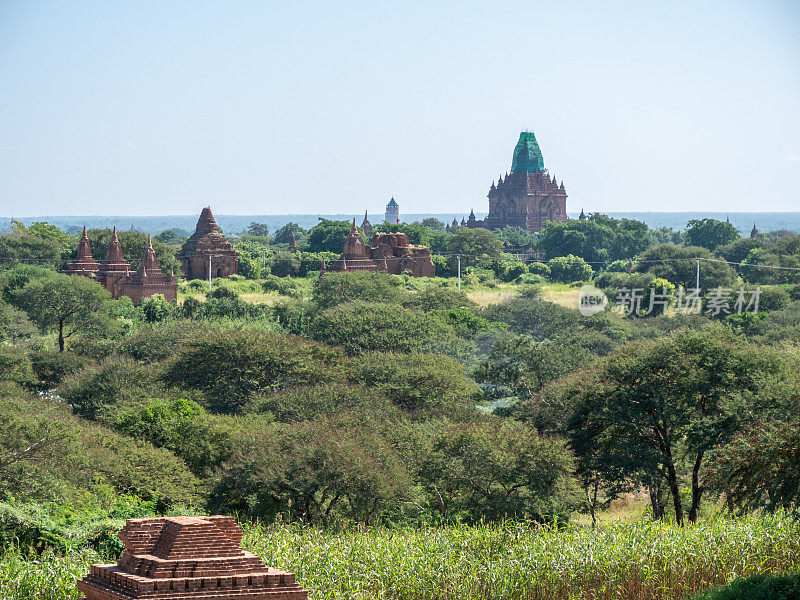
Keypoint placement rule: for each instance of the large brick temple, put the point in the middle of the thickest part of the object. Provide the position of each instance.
(187, 558)
(389, 253)
(527, 197)
(114, 272)
(207, 246)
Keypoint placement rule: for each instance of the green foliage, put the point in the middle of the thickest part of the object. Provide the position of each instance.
(14, 324)
(327, 236)
(537, 318)
(784, 253)
(313, 472)
(51, 368)
(363, 327)
(181, 426)
(339, 288)
(761, 466)
(283, 234)
(14, 279)
(70, 304)
(229, 367)
(493, 470)
(439, 298)
(677, 265)
(567, 269)
(598, 238)
(29, 249)
(414, 381)
(476, 246)
(756, 587)
(417, 234)
(156, 308)
(689, 391)
(97, 390)
(315, 402)
(45, 452)
(710, 233)
(46, 231)
(15, 367)
(257, 229)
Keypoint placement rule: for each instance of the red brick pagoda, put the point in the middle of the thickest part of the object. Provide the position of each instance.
(187, 558)
(114, 273)
(207, 245)
(389, 252)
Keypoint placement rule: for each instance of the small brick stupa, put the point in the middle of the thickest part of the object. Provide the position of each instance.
(187, 558)
(207, 243)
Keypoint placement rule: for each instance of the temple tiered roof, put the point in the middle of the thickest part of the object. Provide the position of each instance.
(183, 558)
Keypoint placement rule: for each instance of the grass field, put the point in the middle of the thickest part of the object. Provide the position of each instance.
(642, 561)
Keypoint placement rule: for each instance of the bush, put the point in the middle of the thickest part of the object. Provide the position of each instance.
(363, 327)
(567, 269)
(414, 381)
(338, 288)
(15, 367)
(756, 587)
(156, 308)
(51, 367)
(539, 268)
(231, 366)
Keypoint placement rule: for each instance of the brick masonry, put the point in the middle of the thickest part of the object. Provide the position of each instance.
(187, 558)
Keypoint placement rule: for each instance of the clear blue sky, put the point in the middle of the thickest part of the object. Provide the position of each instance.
(163, 107)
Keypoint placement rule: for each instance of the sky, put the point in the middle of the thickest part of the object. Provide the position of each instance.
(163, 107)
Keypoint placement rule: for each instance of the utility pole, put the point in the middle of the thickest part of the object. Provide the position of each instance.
(459, 272)
(209, 272)
(697, 281)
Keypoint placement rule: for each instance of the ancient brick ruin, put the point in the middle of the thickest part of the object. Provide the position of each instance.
(115, 274)
(389, 253)
(207, 246)
(187, 558)
(528, 197)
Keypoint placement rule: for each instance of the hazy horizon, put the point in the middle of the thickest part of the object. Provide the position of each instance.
(255, 108)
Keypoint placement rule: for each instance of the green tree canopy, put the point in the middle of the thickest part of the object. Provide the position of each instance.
(710, 233)
(70, 304)
(328, 236)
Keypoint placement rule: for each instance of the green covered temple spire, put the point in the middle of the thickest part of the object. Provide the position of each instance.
(527, 156)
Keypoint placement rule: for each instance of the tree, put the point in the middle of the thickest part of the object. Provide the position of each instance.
(679, 265)
(537, 318)
(71, 304)
(44, 230)
(257, 229)
(363, 327)
(495, 469)
(686, 394)
(414, 381)
(598, 238)
(328, 236)
(338, 288)
(417, 234)
(433, 223)
(283, 234)
(569, 268)
(710, 233)
(229, 367)
(29, 249)
(476, 246)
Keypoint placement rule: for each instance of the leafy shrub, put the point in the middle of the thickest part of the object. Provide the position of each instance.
(15, 367)
(362, 327)
(338, 288)
(229, 367)
(414, 381)
(569, 268)
(756, 587)
(51, 367)
(539, 268)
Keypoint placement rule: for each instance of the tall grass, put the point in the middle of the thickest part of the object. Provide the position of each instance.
(643, 560)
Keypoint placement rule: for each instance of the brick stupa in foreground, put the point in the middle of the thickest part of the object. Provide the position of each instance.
(187, 558)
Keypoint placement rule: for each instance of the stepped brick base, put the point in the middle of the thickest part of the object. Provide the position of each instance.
(187, 558)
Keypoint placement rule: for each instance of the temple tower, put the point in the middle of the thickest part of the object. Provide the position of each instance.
(207, 243)
(392, 212)
(528, 196)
